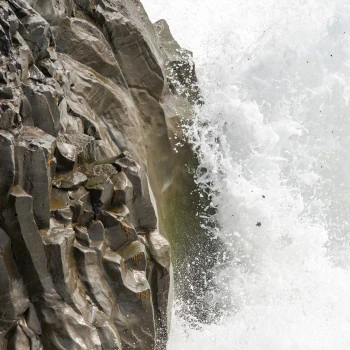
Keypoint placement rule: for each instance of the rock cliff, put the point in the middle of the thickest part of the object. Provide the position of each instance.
(91, 96)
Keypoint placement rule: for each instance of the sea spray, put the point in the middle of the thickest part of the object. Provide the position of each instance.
(273, 138)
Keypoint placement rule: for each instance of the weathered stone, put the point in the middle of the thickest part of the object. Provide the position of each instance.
(5, 44)
(62, 325)
(9, 118)
(96, 231)
(71, 180)
(86, 80)
(35, 342)
(100, 185)
(91, 275)
(144, 217)
(45, 113)
(66, 156)
(58, 244)
(34, 150)
(86, 217)
(82, 236)
(26, 242)
(64, 216)
(6, 92)
(13, 295)
(103, 151)
(7, 166)
(133, 267)
(32, 320)
(123, 190)
(36, 74)
(135, 307)
(34, 29)
(84, 145)
(96, 53)
(158, 247)
(90, 127)
(76, 207)
(80, 194)
(18, 340)
(130, 35)
(118, 228)
(101, 192)
(59, 199)
(180, 68)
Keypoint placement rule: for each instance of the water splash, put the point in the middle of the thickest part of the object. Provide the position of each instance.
(273, 137)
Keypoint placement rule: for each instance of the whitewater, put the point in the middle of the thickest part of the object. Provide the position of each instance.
(273, 140)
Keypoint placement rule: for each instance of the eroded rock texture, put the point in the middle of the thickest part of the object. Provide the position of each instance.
(82, 263)
(90, 94)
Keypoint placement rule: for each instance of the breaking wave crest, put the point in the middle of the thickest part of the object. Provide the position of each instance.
(272, 140)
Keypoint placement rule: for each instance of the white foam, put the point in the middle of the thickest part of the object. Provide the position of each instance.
(276, 78)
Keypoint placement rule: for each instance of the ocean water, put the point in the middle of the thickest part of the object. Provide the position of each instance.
(273, 140)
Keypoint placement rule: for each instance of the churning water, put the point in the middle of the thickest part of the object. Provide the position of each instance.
(273, 141)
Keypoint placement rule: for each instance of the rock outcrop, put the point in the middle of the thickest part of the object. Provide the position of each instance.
(90, 94)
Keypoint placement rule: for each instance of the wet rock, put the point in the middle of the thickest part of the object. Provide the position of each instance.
(84, 144)
(35, 342)
(144, 217)
(59, 199)
(58, 244)
(137, 324)
(158, 247)
(32, 320)
(6, 92)
(101, 192)
(66, 156)
(123, 191)
(61, 324)
(96, 231)
(69, 181)
(86, 217)
(13, 295)
(118, 227)
(100, 185)
(64, 216)
(133, 267)
(95, 53)
(131, 39)
(8, 166)
(82, 266)
(82, 236)
(180, 68)
(61, 208)
(80, 194)
(34, 151)
(90, 127)
(90, 274)
(26, 242)
(18, 340)
(76, 207)
(9, 118)
(45, 113)
(103, 151)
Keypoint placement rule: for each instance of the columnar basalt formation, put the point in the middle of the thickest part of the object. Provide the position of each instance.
(90, 93)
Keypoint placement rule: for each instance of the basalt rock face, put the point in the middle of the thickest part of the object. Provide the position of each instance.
(91, 97)
(83, 131)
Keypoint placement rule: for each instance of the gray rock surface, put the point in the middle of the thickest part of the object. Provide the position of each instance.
(87, 95)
